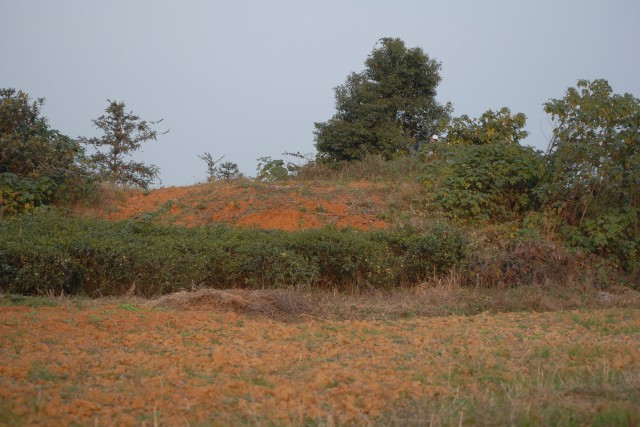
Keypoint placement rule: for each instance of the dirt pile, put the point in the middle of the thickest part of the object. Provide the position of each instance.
(278, 304)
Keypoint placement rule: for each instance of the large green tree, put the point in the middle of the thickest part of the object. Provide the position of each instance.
(123, 134)
(386, 108)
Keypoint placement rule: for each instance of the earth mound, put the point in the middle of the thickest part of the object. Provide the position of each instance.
(277, 304)
(287, 206)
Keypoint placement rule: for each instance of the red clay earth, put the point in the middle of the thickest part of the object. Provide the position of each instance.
(292, 206)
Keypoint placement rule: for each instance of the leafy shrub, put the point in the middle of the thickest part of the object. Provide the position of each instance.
(492, 127)
(45, 252)
(483, 181)
(271, 170)
(593, 158)
(19, 194)
(614, 235)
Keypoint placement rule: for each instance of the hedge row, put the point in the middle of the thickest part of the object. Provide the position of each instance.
(46, 252)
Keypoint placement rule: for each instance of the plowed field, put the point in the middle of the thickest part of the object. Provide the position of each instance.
(123, 364)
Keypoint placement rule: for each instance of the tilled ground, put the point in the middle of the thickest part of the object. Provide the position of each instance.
(123, 364)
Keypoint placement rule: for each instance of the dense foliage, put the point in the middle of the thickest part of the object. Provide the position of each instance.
(123, 133)
(593, 169)
(38, 165)
(484, 181)
(491, 127)
(49, 252)
(385, 109)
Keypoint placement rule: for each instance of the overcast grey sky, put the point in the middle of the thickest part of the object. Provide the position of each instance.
(249, 78)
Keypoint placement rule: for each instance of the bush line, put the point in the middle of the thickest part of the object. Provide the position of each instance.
(48, 252)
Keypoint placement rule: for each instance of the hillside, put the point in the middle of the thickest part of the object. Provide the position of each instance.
(292, 205)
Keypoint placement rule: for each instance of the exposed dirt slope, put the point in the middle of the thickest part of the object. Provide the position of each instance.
(288, 206)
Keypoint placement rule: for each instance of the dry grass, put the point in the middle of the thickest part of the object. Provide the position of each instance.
(279, 304)
(441, 296)
(129, 365)
(107, 196)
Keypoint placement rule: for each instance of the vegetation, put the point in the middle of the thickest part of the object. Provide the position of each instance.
(38, 165)
(124, 133)
(473, 227)
(489, 181)
(385, 109)
(212, 165)
(63, 364)
(492, 127)
(228, 170)
(217, 170)
(592, 176)
(271, 170)
(48, 252)
(584, 191)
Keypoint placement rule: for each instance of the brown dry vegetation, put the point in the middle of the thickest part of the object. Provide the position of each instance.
(224, 361)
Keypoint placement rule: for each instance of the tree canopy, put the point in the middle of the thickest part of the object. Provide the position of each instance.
(386, 108)
(38, 164)
(594, 152)
(593, 169)
(28, 145)
(491, 127)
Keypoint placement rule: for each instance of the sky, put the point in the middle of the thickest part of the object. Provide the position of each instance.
(248, 79)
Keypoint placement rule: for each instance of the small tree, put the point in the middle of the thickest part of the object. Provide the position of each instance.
(124, 133)
(227, 171)
(593, 169)
(212, 165)
(271, 170)
(491, 127)
(593, 157)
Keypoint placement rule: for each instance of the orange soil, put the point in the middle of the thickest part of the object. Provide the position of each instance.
(283, 207)
(113, 365)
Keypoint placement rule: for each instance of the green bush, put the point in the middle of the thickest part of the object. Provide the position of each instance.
(613, 235)
(483, 181)
(46, 251)
(19, 194)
